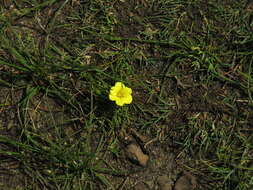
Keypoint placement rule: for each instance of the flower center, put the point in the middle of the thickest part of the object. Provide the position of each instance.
(120, 94)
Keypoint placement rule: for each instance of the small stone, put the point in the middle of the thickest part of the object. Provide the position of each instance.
(141, 186)
(135, 153)
(165, 183)
(186, 182)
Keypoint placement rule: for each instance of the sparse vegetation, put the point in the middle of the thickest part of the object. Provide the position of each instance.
(188, 63)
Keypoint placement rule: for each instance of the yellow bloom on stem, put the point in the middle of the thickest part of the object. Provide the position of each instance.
(121, 94)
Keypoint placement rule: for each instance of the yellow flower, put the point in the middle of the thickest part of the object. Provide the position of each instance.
(121, 94)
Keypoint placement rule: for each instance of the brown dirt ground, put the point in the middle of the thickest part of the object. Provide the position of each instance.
(165, 167)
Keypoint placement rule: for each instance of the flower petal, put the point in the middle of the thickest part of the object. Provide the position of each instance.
(127, 90)
(119, 85)
(114, 91)
(128, 99)
(120, 102)
(112, 97)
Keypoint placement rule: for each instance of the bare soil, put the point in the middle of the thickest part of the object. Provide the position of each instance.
(147, 162)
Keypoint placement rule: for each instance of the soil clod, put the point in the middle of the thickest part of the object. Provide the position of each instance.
(135, 154)
(165, 183)
(186, 182)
